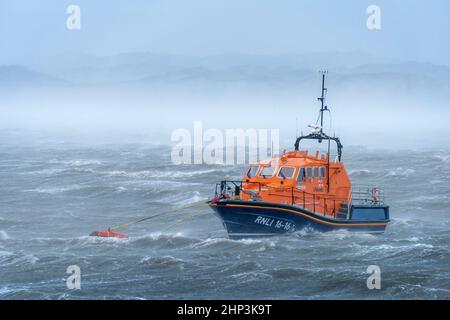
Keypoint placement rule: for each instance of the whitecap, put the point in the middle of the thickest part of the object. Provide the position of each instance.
(48, 171)
(213, 241)
(252, 276)
(160, 235)
(194, 199)
(260, 244)
(444, 158)
(55, 190)
(4, 235)
(6, 253)
(30, 258)
(400, 172)
(172, 240)
(5, 290)
(345, 234)
(425, 198)
(76, 162)
(423, 245)
(155, 174)
(20, 260)
(164, 261)
(121, 189)
(359, 172)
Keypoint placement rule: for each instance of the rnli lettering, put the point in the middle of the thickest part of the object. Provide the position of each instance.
(275, 223)
(264, 221)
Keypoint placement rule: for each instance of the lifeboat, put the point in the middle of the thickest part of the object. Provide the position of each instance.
(299, 190)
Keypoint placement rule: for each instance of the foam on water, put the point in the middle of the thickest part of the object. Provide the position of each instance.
(400, 172)
(55, 190)
(443, 158)
(156, 174)
(4, 235)
(75, 162)
(162, 262)
(361, 172)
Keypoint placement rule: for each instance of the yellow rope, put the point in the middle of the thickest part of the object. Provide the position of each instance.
(124, 225)
(196, 213)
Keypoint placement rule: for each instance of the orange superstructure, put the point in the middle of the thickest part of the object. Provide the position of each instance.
(297, 178)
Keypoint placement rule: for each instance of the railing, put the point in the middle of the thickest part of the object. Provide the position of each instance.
(318, 203)
(229, 187)
(367, 195)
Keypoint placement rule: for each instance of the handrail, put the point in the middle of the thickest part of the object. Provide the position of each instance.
(361, 195)
(364, 194)
(307, 199)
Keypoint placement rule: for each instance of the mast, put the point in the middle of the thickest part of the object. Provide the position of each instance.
(322, 109)
(322, 100)
(319, 135)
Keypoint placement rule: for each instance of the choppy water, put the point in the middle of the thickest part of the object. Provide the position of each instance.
(52, 195)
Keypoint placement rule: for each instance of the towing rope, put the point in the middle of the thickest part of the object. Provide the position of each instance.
(195, 214)
(191, 205)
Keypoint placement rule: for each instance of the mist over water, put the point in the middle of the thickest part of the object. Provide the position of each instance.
(113, 115)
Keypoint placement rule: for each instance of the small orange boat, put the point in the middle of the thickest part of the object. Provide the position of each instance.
(299, 190)
(108, 234)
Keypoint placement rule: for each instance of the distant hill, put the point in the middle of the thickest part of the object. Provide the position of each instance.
(12, 76)
(351, 73)
(148, 66)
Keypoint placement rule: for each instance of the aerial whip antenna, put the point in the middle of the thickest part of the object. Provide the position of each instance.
(322, 101)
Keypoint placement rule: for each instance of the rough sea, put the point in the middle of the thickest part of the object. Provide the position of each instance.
(53, 194)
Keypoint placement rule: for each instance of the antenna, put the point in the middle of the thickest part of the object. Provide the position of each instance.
(322, 99)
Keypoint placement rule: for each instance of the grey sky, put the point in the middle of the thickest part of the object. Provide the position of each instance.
(411, 30)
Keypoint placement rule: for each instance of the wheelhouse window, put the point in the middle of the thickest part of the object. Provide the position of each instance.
(301, 175)
(308, 173)
(286, 172)
(267, 172)
(251, 172)
(323, 172)
(316, 172)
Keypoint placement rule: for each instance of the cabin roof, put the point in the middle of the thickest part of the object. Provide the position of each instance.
(294, 158)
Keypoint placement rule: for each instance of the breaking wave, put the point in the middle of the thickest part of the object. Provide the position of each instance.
(400, 172)
(361, 172)
(75, 162)
(4, 235)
